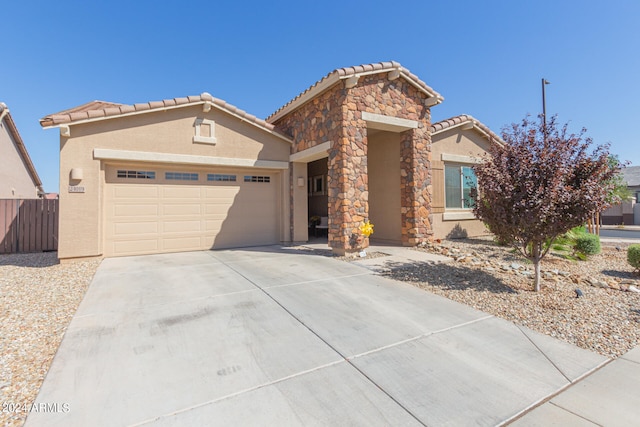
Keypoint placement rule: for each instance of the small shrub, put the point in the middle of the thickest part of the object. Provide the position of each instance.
(587, 244)
(633, 256)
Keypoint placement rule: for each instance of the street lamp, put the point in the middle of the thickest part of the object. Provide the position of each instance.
(544, 103)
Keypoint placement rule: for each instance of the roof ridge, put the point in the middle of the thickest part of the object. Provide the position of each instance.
(463, 118)
(101, 110)
(376, 67)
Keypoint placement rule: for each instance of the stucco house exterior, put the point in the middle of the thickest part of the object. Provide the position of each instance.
(18, 176)
(627, 212)
(198, 173)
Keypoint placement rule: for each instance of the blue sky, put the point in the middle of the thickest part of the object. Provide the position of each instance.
(487, 58)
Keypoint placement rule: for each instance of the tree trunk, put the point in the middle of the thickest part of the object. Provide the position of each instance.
(536, 265)
(536, 283)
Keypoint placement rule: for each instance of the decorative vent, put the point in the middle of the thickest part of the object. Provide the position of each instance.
(205, 131)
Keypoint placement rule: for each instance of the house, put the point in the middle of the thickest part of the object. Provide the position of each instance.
(627, 212)
(18, 176)
(198, 173)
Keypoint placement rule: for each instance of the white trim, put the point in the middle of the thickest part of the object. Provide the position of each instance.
(131, 113)
(333, 78)
(455, 158)
(172, 107)
(388, 123)
(306, 97)
(310, 154)
(205, 139)
(244, 119)
(457, 126)
(458, 216)
(412, 82)
(475, 127)
(144, 156)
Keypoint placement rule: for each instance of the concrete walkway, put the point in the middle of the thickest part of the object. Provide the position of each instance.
(278, 336)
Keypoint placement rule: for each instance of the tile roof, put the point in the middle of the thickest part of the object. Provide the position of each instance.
(100, 110)
(443, 125)
(342, 73)
(22, 149)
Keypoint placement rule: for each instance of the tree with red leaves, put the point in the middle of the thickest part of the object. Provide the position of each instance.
(542, 182)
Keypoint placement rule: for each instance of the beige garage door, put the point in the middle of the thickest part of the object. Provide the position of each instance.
(153, 210)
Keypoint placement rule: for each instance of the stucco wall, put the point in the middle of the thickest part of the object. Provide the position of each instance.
(15, 180)
(467, 145)
(384, 186)
(172, 131)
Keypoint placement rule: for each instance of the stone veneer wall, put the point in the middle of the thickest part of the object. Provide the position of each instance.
(336, 116)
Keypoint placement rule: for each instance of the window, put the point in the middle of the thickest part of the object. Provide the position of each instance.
(318, 185)
(136, 174)
(459, 181)
(254, 178)
(221, 177)
(181, 176)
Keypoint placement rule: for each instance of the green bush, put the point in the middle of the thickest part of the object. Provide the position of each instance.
(633, 256)
(587, 244)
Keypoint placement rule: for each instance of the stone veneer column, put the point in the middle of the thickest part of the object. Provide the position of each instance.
(348, 185)
(415, 152)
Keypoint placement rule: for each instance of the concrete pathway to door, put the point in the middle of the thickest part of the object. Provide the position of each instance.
(278, 336)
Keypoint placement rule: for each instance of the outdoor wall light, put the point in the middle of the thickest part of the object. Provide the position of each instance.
(300, 181)
(77, 174)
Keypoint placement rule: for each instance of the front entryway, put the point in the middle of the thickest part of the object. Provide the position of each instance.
(383, 161)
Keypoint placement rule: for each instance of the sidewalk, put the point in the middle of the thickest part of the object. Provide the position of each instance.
(609, 396)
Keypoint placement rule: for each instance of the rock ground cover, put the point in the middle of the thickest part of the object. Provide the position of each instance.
(38, 298)
(496, 280)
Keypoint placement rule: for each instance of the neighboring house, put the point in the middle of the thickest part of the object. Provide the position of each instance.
(197, 173)
(18, 176)
(628, 212)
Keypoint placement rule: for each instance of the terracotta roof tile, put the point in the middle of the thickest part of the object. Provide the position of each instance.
(378, 67)
(463, 118)
(101, 109)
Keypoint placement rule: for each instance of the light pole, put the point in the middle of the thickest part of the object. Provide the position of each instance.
(544, 103)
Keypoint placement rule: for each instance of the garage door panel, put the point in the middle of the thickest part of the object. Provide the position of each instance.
(131, 228)
(132, 191)
(181, 226)
(217, 210)
(165, 217)
(135, 210)
(182, 209)
(182, 192)
(220, 192)
(192, 243)
(138, 246)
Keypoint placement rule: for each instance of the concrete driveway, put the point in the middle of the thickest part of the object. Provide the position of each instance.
(276, 336)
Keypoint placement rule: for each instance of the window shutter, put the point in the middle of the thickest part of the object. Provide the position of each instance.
(437, 192)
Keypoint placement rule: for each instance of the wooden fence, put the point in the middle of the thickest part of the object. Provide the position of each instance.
(28, 225)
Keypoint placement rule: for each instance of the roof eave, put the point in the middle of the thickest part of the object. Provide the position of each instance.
(336, 76)
(479, 127)
(24, 154)
(50, 124)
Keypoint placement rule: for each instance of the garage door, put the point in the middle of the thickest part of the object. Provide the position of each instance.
(153, 210)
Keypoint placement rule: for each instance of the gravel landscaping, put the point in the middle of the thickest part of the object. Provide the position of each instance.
(38, 298)
(494, 279)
